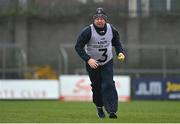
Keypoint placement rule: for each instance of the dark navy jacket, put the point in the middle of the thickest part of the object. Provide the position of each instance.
(85, 36)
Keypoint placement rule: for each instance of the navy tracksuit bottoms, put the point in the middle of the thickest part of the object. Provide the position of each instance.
(103, 86)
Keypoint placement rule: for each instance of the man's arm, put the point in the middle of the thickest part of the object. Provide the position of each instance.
(116, 41)
(82, 40)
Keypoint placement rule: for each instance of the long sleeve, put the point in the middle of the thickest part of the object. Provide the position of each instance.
(82, 40)
(116, 41)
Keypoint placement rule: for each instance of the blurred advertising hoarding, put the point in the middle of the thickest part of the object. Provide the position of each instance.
(77, 88)
(29, 89)
(157, 88)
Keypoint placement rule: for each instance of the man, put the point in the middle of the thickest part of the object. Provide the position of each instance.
(94, 46)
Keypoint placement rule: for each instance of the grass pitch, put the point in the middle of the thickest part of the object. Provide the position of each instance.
(85, 112)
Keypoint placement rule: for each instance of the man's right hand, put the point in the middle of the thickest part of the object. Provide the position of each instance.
(93, 63)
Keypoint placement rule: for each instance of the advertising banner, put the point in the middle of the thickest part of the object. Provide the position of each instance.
(149, 88)
(29, 89)
(172, 88)
(77, 88)
(157, 88)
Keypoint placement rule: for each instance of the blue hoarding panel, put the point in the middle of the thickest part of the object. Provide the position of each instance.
(149, 88)
(157, 88)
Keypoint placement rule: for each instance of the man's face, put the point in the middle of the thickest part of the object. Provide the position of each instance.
(99, 22)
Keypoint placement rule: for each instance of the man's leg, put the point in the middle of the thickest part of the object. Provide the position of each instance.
(95, 77)
(109, 93)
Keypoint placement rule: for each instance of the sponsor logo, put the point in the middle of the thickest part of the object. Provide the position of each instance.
(172, 87)
(151, 88)
(82, 86)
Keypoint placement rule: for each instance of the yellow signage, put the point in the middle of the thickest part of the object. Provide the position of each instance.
(172, 87)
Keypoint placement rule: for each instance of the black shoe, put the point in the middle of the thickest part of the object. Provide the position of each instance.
(112, 115)
(100, 112)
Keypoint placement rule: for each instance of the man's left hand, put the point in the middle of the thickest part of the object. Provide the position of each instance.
(121, 57)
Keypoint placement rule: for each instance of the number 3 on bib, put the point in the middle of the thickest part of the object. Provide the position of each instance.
(104, 51)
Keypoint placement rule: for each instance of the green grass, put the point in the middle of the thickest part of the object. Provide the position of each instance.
(85, 112)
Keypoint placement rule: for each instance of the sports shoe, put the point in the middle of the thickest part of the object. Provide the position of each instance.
(100, 112)
(112, 115)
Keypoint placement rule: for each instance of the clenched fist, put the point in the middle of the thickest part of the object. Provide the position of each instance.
(121, 57)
